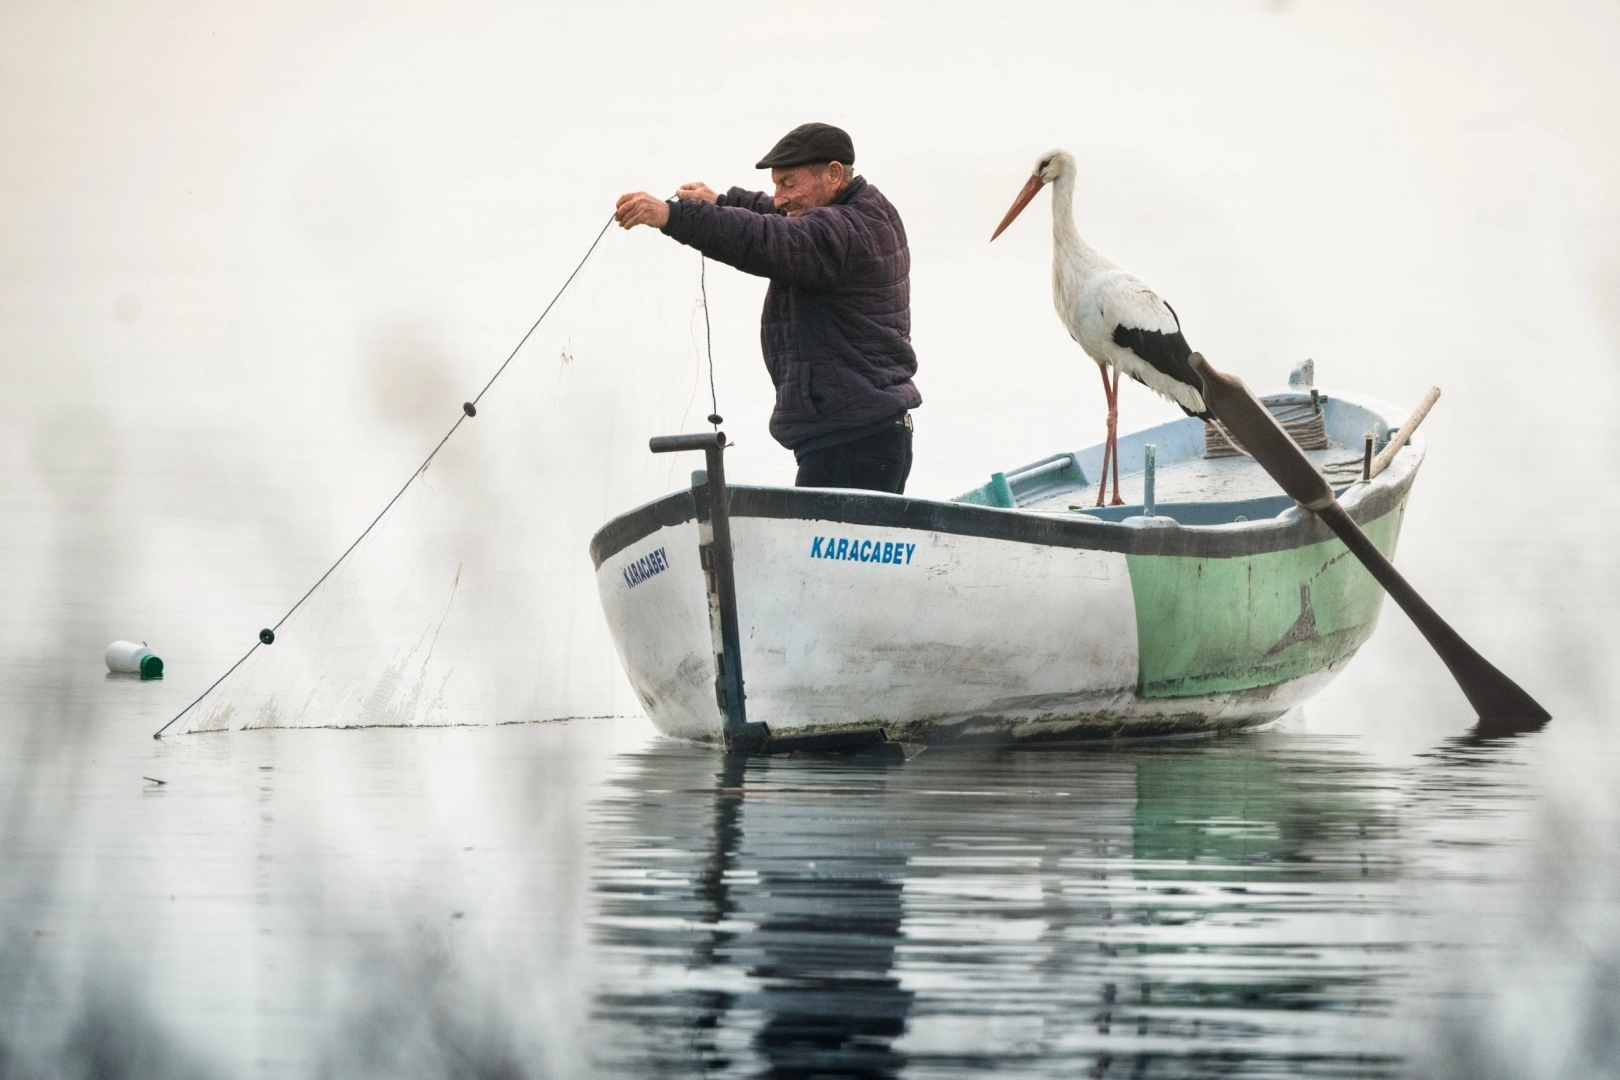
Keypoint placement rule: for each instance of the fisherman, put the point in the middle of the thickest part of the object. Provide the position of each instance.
(836, 330)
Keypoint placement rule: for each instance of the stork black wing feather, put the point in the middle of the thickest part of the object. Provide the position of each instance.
(1167, 353)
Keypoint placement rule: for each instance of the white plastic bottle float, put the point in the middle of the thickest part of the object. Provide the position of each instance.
(129, 657)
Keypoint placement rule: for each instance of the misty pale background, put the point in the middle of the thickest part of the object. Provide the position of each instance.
(253, 257)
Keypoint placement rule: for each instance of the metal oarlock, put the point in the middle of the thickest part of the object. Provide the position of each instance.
(714, 554)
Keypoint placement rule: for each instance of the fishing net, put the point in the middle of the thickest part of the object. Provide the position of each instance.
(473, 599)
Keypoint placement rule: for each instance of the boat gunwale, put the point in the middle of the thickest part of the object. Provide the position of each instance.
(1159, 536)
(1293, 528)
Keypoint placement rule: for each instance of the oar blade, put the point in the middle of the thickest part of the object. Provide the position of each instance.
(1501, 704)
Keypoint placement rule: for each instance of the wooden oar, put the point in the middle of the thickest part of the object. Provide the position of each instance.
(1503, 707)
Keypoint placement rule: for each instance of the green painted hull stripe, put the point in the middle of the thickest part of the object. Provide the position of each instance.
(1215, 625)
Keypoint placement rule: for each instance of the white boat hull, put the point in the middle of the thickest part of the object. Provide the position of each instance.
(945, 622)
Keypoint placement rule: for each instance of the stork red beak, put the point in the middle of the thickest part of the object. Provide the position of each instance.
(1029, 192)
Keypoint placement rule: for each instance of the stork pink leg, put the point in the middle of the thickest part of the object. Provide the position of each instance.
(1113, 435)
(1108, 441)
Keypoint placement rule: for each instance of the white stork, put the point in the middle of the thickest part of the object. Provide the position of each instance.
(1120, 322)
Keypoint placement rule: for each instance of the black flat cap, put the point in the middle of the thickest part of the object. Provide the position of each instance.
(810, 144)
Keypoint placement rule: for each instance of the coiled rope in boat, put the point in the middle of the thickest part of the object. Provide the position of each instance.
(1301, 419)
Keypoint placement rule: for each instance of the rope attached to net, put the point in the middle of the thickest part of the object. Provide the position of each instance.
(715, 419)
(469, 409)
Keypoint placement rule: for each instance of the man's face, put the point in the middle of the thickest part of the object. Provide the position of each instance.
(805, 187)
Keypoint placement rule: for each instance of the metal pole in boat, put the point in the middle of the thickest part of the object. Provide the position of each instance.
(1150, 455)
(714, 553)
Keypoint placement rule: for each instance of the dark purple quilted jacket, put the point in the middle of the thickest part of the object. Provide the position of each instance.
(836, 331)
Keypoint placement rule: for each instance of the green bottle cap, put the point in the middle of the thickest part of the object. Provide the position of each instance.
(151, 667)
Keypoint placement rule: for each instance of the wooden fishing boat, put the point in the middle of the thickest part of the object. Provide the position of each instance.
(1016, 612)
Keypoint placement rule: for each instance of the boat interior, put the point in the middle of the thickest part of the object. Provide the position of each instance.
(1200, 476)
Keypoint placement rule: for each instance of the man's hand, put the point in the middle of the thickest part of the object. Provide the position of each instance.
(697, 189)
(640, 208)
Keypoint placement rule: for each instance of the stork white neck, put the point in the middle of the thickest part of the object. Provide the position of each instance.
(1069, 252)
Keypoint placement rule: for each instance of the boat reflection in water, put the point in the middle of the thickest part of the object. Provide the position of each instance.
(1170, 910)
(761, 921)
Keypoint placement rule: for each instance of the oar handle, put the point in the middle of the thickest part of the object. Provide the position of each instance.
(1501, 703)
(1252, 425)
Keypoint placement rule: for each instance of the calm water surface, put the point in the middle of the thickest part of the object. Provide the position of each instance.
(1252, 906)
(589, 898)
